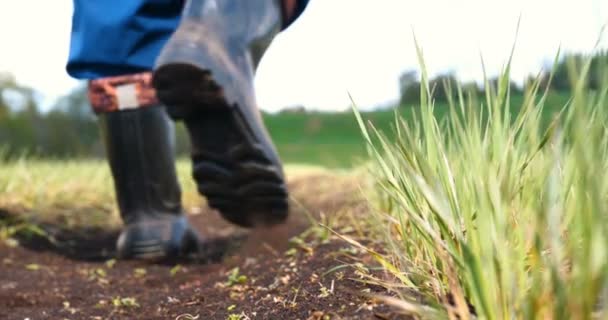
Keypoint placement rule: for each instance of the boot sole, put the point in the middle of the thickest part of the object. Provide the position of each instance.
(233, 168)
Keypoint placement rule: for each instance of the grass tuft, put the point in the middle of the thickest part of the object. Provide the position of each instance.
(492, 213)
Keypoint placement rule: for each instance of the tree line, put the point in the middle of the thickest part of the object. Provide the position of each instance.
(558, 78)
(70, 129)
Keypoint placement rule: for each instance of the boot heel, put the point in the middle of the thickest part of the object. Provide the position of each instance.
(179, 84)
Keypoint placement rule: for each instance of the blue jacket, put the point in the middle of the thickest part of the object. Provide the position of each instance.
(118, 37)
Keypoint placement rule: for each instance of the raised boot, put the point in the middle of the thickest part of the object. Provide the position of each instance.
(140, 151)
(205, 77)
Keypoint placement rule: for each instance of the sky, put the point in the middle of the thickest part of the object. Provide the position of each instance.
(342, 47)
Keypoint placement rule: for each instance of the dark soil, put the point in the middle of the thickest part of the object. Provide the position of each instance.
(74, 276)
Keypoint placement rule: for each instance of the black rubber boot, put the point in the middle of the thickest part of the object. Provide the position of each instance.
(140, 150)
(205, 77)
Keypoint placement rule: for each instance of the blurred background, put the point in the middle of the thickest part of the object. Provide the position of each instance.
(364, 48)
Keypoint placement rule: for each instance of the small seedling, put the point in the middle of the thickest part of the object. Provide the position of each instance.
(235, 278)
(175, 270)
(291, 252)
(100, 304)
(33, 267)
(324, 292)
(128, 302)
(99, 272)
(140, 272)
(110, 263)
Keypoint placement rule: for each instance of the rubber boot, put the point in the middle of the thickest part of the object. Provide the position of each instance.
(140, 150)
(205, 76)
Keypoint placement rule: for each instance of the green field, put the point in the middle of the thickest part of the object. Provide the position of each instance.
(334, 139)
(328, 139)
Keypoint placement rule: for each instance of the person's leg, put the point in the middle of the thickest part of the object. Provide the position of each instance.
(115, 38)
(205, 77)
(139, 143)
(114, 43)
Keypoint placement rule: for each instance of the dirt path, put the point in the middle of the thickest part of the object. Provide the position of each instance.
(263, 277)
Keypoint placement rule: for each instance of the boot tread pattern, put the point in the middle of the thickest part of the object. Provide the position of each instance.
(231, 165)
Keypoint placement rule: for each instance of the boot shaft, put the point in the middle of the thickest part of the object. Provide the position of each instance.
(140, 150)
(237, 21)
(238, 32)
